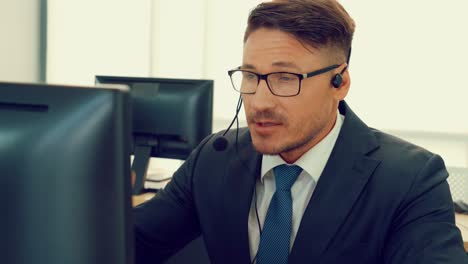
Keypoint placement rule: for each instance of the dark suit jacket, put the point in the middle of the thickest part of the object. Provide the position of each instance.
(379, 200)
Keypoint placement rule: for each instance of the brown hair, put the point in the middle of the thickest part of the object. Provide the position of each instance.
(318, 23)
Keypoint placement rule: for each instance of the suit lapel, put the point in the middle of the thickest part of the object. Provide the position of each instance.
(344, 177)
(238, 189)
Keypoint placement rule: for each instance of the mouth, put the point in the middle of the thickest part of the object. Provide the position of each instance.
(266, 124)
(265, 127)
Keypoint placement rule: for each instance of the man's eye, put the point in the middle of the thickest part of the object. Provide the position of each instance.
(286, 78)
(249, 76)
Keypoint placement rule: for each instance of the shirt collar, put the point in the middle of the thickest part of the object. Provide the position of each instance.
(314, 160)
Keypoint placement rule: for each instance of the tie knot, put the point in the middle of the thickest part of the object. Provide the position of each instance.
(286, 175)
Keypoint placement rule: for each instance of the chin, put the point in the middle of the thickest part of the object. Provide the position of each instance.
(266, 150)
(267, 146)
(274, 146)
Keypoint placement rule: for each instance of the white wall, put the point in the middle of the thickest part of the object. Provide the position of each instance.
(164, 38)
(19, 47)
(408, 64)
(407, 68)
(178, 39)
(97, 37)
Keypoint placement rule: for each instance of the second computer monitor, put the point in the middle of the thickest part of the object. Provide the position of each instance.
(170, 117)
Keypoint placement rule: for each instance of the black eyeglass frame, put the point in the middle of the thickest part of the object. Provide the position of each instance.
(265, 76)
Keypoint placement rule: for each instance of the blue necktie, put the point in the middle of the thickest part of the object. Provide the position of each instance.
(276, 233)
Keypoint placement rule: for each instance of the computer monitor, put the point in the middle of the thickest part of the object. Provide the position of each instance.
(170, 118)
(64, 174)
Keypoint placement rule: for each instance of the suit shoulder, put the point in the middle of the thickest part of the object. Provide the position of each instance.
(396, 147)
(404, 160)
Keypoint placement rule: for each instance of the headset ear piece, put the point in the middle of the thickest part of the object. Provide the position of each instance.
(337, 80)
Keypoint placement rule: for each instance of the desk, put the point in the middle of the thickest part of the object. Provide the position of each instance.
(141, 198)
(462, 224)
(460, 219)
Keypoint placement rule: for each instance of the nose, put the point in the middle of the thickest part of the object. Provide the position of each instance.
(263, 98)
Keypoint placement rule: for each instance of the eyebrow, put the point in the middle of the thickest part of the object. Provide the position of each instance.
(248, 67)
(281, 64)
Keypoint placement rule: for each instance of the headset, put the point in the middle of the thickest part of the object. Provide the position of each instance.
(338, 78)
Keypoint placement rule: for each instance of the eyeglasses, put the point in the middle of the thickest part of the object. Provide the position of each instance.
(283, 84)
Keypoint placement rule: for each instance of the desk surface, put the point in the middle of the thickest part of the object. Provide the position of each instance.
(460, 219)
(141, 198)
(462, 224)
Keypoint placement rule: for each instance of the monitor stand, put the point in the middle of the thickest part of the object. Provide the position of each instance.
(140, 166)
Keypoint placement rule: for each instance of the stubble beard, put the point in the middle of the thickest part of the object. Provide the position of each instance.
(277, 147)
(286, 146)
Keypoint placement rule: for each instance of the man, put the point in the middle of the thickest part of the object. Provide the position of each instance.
(308, 181)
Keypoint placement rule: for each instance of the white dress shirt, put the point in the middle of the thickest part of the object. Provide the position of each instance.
(312, 163)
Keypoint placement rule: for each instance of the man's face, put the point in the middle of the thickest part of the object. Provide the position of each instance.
(289, 126)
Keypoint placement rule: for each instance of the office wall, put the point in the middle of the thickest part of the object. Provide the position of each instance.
(407, 67)
(89, 37)
(407, 64)
(185, 39)
(408, 57)
(179, 38)
(20, 45)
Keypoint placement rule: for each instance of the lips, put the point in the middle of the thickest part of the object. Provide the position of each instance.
(266, 123)
(265, 128)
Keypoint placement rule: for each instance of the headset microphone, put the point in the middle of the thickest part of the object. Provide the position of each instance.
(221, 143)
